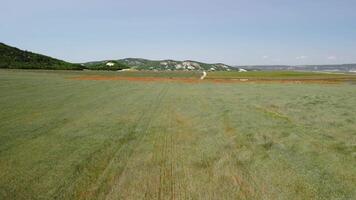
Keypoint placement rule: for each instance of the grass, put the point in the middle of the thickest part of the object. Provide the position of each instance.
(278, 75)
(62, 138)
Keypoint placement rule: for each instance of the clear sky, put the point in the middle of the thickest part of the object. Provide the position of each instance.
(235, 32)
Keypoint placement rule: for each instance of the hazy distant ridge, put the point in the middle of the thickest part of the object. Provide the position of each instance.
(334, 68)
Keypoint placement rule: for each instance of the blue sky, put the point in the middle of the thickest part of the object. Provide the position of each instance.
(235, 32)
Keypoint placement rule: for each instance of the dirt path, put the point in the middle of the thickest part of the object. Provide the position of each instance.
(203, 76)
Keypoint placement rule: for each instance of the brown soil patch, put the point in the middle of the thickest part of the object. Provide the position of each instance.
(196, 80)
(139, 79)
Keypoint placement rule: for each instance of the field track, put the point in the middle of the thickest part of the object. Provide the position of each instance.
(204, 75)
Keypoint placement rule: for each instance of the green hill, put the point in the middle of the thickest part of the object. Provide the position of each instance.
(111, 65)
(14, 58)
(145, 64)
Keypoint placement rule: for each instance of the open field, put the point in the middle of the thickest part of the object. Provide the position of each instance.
(222, 77)
(65, 136)
(276, 75)
(282, 77)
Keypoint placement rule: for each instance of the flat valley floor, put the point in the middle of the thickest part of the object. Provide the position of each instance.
(63, 136)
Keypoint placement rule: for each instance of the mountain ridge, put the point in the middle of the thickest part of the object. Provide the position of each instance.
(165, 64)
(15, 58)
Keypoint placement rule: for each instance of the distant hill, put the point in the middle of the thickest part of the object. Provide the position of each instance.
(111, 65)
(160, 65)
(326, 68)
(14, 58)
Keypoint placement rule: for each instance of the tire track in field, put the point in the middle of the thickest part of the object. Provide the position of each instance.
(240, 177)
(175, 175)
(166, 166)
(182, 136)
(158, 174)
(147, 119)
(164, 156)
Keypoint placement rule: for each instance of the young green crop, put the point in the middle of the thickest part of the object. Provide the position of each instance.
(63, 138)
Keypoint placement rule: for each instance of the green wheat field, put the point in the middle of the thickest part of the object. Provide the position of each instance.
(64, 137)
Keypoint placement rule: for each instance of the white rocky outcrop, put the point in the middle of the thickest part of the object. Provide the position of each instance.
(190, 65)
(179, 66)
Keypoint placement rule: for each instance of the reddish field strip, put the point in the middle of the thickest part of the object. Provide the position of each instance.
(141, 79)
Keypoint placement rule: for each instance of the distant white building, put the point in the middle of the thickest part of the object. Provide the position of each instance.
(242, 70)
(110, 64)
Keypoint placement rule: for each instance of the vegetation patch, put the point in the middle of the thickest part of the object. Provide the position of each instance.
(14, 58)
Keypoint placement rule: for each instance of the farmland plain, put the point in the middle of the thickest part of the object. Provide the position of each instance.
(64, 135)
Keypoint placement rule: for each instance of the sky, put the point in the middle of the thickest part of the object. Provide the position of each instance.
(235, 32)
